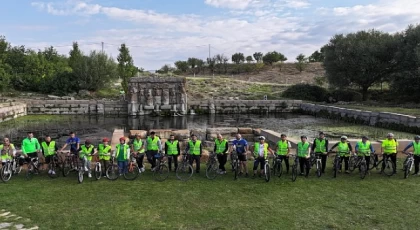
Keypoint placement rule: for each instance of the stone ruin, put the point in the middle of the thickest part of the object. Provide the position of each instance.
(148, 95)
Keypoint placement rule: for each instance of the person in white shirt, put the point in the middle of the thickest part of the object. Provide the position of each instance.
(261, 150)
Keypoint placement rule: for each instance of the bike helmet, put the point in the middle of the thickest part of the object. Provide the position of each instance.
(417, 137)
(303, 137)
(105, 140)
(261, 138)
(122, 138)
(344, 137)
(390, 135)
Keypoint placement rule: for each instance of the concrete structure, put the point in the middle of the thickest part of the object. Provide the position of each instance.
(244, 106)
(11, 110)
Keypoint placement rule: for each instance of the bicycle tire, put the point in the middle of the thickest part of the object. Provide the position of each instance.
(236, 170)
(294, 173)
(162, 173)
(18, 169)
(352, 163)
(80, 176)
(52, 167)
(112, 172)
(132, 173)
(374, 161)
(267, 172)
(30, 171)
(184, 171)
(363, 170)
(6, 173)
(211, 171)
(336, 167)
(98, 171)
(389, 168)
(318, 169)
(66, 168)
(407, 168)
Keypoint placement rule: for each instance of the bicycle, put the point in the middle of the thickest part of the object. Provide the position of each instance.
(54, 166)
(113, 171)
(97, 168)
(408, 165)
(277, 166)
(336, 164)
(267, 172)
(161, 171)
(6, 171)
(235, 164)
(212, 169)
(70, 164)
(358, 162)
(389, 165)
(184, 171)
(33, 168)
(295, 167)
(133, 170)
(316, 160)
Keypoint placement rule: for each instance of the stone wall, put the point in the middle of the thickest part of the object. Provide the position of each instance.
(11, 110)
(380, 119)
(243, 106)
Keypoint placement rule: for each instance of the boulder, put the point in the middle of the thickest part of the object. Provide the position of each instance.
(225, 130)
(200, 133)
(53, 97)
(181, 134)
(257, 132)
(143, 133)
(245, 130)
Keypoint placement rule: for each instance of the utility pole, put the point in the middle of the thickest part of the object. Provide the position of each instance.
(102, 43)
(209, 52)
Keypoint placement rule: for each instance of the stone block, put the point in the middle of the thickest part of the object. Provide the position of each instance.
(181, 134)
(143, 133)
(224, 130)
(245, 130)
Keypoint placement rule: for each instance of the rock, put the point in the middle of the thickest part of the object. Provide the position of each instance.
(245, 130)
(181, 134)
(222, 130)
(68, 98)
(248, 137)
(162, 133)
(257, 132)
(143, 133)
(84, 93)
(212, 137)
(200, 133)
(53, 97)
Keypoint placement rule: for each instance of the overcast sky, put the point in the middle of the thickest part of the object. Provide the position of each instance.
(161, 32)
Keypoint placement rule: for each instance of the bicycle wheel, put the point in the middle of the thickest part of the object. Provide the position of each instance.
(184, 171)
(352, 163)
(294, 173)
(389, 168)
(374, 162)
(363, 170)
(66, 168)
(30, 171)
(53, 169)
(211, 171)
(278, 169)
(80, 176)
(161, 173)
(132, 173)
(236, 169)
(98, 171)
(112, 172)
(318, 169)
(267, 172)
(407, 168)
(6, 173)
(336, 167)
(18, 168)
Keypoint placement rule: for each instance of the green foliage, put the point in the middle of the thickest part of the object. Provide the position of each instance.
(320, 80)
(346, 95)
(258, 56)
(165, 69)
(238, 58)
(317, 56)
(126, 68)
(182, 66)
(306, 92)
(273, 57)
(301, 63)
(249, 59)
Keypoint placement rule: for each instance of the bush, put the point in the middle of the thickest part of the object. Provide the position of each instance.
(346, 95)
(306, 92)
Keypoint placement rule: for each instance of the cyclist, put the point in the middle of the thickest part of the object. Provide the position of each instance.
(85, 153)
(137, 148)
(122, 154)
(320, 146)
(363, 149)
(104, 151)
(240, 145)
(30, 147)
(303, 152)
(416, 152)
(261, 150)
(195, 149)
(344, 149)
(7, 151)
(49, 149)
(153, 146)
(221, 148)
(74, 143)
(389, 150)
(172, 151)
(283, 150)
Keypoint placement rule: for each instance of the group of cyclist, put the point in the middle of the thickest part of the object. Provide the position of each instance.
(152, 148)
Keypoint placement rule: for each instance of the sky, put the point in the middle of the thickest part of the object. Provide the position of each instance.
(161, 32)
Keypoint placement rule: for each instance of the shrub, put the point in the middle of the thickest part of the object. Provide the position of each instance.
(306, 92)
(346, 95)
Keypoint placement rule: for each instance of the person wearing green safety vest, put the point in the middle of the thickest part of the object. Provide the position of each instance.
(49, 149)
(221, 148)
(320, 147)
(344, 150)
(30, 147)
(389, 150)
(86, 152)
(283, 150)
(104, 152)
(304, 153)
(195, 149)
(363, 149)
(416, 153)
(153, 147)
(261, 150)
(172, 151)
(122, 154)
(137, 148)
(7, 151)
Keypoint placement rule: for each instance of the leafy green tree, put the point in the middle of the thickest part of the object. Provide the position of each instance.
(238, 58)
(360, 59)
(301, 62)
(126, 68)
(273, 57)
(258, 56)
(211, 62)
(249, 59)
(316, 56)
(182, 66)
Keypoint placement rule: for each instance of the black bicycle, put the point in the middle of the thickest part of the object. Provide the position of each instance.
(33, 168)
(6, 171)
(295, 167)
(70, 164)
(113, 171)
(277, 166)
(212, 169)
(336, 164)
(161, 171)
(360, 163)
(408, 165)
(236, 167)
(389, 165)
(54, 166)
(184, 171)
(316, 161)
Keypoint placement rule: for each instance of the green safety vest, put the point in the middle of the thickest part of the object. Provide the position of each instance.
(137, 144)
(194, 147)
(282, 147)
(126, 147)
(320, 146)
(416, 147)
(257, 150)
(6, 156)
(102, 149)
(48, 149)
(172, 147)
(343, 149)
(86, 152)
(220, 146)
(389, 146)
(303, 149)
(363, 148)
(152, 144)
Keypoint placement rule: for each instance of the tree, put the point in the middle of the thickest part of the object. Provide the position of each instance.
(249, 59)
(78, 64)
(258, 56)
(301, 62)
(126, 68)
(165, 69)
(211, 62)
(273, 57)
(359, 59)
(182, 66)
(238, 58)
(193, 63)
(316, 56)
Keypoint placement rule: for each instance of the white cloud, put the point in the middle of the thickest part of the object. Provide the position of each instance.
(232, 4)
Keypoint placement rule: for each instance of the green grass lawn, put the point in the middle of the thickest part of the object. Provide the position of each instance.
(413, 112)
(346, 202)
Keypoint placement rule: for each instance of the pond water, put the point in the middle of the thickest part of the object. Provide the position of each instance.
(97, 127)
